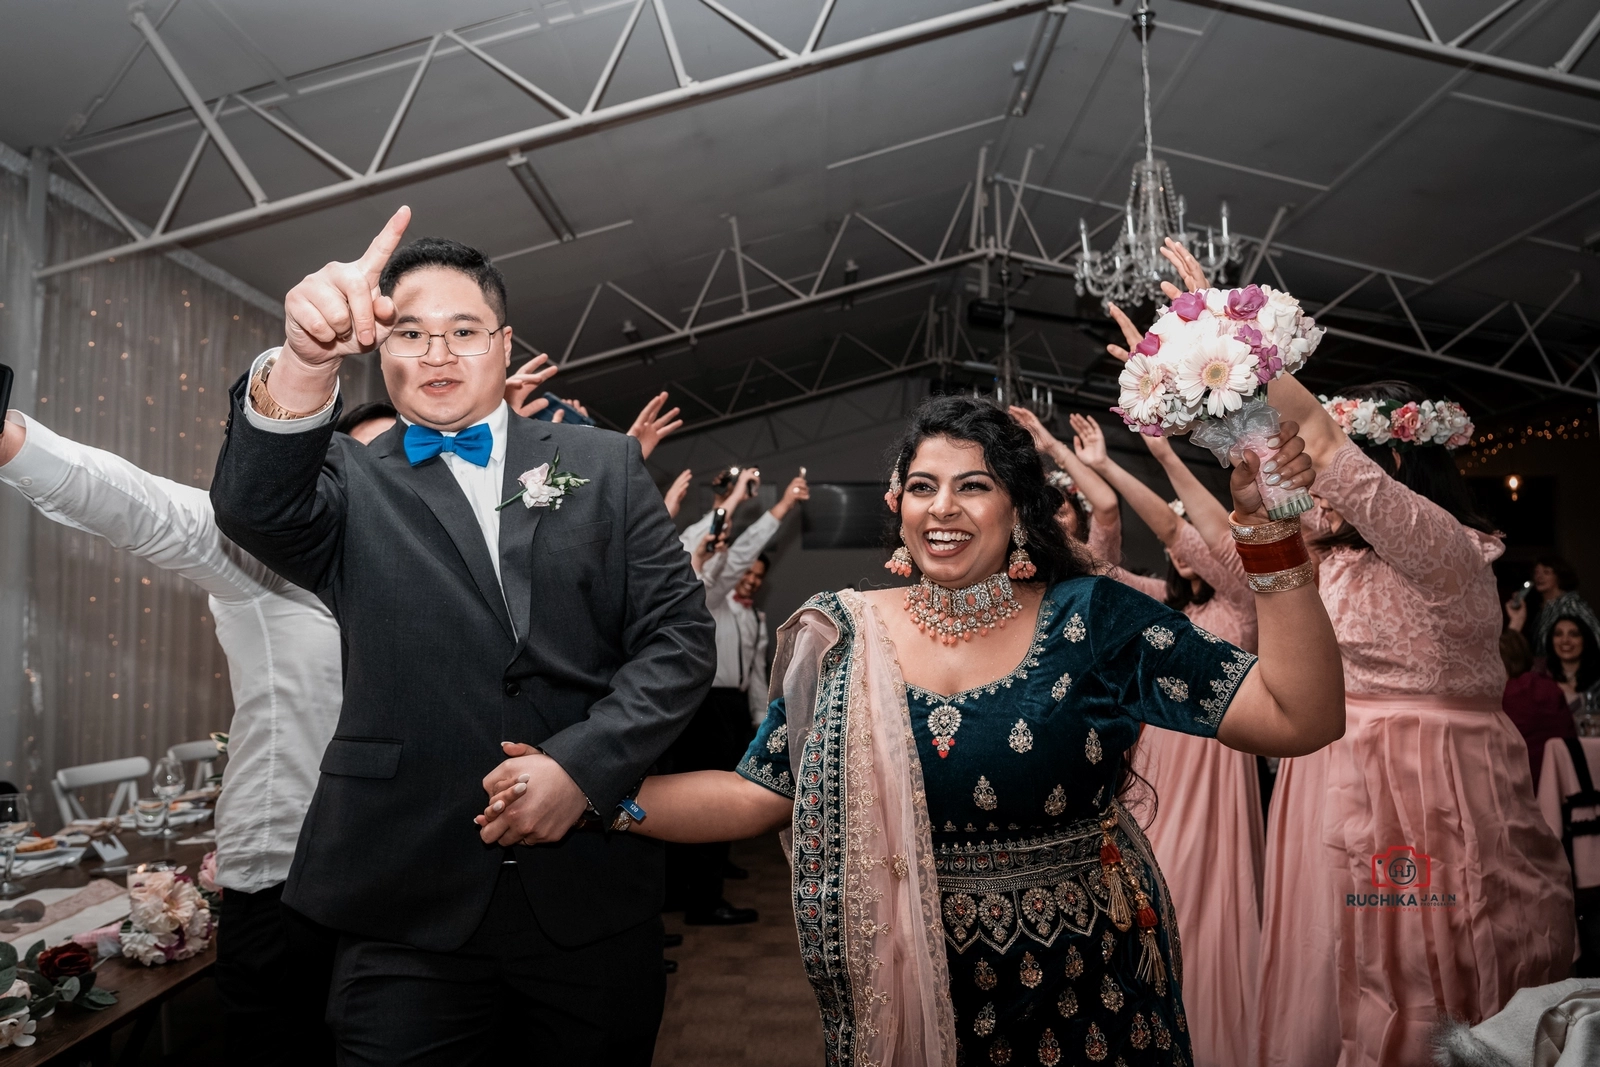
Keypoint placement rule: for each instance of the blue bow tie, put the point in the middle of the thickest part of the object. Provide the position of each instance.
(473, 444)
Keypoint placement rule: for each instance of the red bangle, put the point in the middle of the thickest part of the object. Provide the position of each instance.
(1281, 555)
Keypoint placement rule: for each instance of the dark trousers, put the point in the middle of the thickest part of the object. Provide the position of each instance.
(509, 995)
(715, 740)
(273, 968)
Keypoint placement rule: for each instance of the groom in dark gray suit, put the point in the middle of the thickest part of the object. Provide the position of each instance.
(495, 579)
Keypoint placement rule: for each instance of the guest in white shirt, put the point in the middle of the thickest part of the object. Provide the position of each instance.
(723, 726)
(282, 647)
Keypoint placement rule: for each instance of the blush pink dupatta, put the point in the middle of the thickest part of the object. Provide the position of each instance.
(866, 897)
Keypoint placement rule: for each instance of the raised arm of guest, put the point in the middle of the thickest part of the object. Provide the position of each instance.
(100, 493)
(1101, 496)
(1205, 511)
(744, 488)
(652, 424)
(723, 572)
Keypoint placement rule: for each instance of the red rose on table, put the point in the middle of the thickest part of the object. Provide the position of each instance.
(65, 961)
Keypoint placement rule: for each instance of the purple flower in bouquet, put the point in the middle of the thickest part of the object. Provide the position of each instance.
(1246, 303)
(1148, 345)
(1188, 306)
(1268, 363)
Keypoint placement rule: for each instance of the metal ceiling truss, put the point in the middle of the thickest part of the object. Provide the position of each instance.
(1430, 45)
(567, 122)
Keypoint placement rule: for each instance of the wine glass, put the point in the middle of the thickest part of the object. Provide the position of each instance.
(166, 782)
(15, 821)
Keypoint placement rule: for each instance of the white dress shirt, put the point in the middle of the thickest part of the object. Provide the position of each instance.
(480, 485)
(282, 644)
(741, 631)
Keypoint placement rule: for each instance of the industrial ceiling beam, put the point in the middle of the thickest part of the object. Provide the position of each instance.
(592, 120)
(1554, 76)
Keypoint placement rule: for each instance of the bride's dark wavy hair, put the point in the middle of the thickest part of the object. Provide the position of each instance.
(1009, 453)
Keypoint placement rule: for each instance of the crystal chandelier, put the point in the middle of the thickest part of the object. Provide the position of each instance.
(1131, 272)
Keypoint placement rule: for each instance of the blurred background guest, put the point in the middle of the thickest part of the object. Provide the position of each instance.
(722, 728)
(1551, 593)
(1533, 701)
(1573, 660)
(1090, 514)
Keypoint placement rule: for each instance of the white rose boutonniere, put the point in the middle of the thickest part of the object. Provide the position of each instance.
(544, 486)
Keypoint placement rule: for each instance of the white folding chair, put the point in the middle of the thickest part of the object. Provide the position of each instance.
(124, 772)
(202, 753)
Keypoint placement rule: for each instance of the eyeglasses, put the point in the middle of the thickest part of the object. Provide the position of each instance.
(462, 341)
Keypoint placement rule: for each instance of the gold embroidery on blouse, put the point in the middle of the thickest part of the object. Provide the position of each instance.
(983, 795)
(1108, 945)
(1021, 739)
(779, 739)
(943, 722)
(1160, 637)
(1056, 802)
(1000, 1053)
(1091, 747)
(1175, 688)
(1074, 962)
(1067, 1004)
(1075, 630)
(1139, 1035)
(983, 1025)
(983, 976)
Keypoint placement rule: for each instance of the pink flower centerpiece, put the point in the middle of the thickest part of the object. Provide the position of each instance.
(1203, 370)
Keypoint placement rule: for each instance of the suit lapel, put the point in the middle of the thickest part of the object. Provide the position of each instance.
(437, 487)
(528, 444)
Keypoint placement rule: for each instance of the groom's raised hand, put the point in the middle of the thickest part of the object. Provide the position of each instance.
(532, 799)
(338, 311)
(333, 313)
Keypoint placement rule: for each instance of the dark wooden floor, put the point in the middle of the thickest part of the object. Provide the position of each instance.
(740, 996)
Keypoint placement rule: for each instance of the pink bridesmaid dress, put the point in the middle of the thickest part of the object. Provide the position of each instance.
(1409, 872)
(1207, 831)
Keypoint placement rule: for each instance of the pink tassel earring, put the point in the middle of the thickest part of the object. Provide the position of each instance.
(1021, 568)
(900, 562)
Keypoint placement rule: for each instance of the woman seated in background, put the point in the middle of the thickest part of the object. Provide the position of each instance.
(968, 887)
(1550, 595)
(1573, 660)
(1533, 702)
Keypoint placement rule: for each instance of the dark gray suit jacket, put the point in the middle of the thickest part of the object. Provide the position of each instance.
(611, 652)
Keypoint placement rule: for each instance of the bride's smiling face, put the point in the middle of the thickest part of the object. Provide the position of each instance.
(955, 515)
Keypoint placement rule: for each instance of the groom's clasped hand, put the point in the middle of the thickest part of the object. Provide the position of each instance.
(532, 801)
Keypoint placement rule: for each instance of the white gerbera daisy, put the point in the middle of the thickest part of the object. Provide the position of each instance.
(1145, 389)
(1219, 368)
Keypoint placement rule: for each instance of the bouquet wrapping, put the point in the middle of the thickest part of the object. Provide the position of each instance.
(1204, 367)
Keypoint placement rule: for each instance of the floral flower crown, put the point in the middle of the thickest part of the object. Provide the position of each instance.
(1392, 422)
(1063, 481)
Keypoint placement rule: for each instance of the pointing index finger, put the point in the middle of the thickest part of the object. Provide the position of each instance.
(376, 257)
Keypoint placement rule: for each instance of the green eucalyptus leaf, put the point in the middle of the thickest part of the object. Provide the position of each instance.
(97, 999)
(68, 988)
(42, 1006)
(12, 1005)
(32, 958)
(8, 954)
(7, 977)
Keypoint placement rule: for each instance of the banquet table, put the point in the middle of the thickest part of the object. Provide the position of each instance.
(1557, 780)
(140, 990)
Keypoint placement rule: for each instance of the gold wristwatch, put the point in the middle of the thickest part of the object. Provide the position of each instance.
(265, 406)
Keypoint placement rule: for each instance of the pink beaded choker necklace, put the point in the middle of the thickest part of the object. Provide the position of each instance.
(949, 614)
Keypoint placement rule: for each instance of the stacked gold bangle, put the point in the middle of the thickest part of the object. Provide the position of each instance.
(1274, 555)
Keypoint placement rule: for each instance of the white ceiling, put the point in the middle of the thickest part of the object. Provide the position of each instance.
(1388, 159)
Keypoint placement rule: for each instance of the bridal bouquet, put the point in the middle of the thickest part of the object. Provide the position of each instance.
(168, 918)
(1203, 370)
